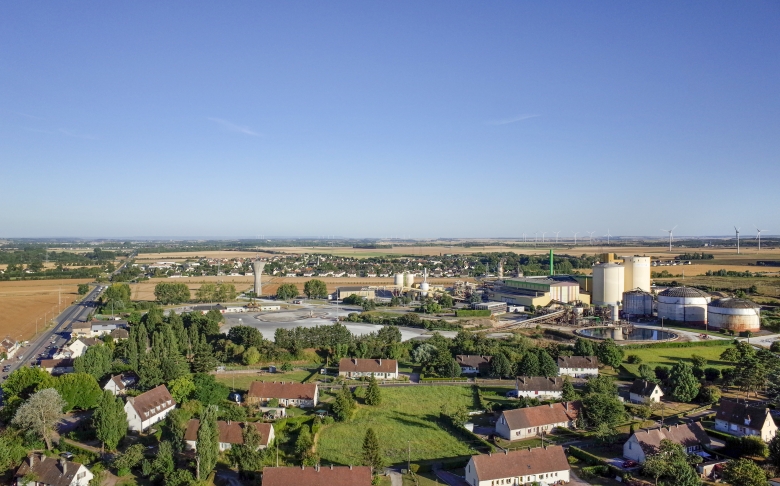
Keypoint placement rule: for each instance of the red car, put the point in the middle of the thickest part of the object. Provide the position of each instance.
(627, 464)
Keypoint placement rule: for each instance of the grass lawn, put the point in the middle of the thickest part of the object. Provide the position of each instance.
(670, 356)
(408, 416)
(242, 380)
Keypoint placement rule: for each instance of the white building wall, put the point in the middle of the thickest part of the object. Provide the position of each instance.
(552, 477)
(633, 451)
(578, 372)
(539, 394)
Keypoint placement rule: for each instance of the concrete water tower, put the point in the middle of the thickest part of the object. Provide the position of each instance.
(257, 265)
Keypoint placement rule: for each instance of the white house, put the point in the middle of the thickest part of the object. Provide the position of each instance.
(648, 441)
(317, 476)
(543, 465)
(50, 471)
(9, 347)
(522, 423)
(80, 329)
(643, 391)
(148, 408)
(80, 345)
(57, 366)
(230, 434)
(578, 366)
(471, 364)
(380, 368)
(741, 419)
(118, 384)
(539, 386)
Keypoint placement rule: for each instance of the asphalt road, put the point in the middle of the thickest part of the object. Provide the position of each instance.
(32, 352)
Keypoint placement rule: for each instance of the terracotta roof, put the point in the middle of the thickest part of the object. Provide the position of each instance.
(145, 403)
(49, 470)
(539, 383)
(738, 413)
(120, 334)
(578, 362)
(368, 365)
(521, 462)
(685, 434)
(313, 476)
(89, 341)
(230, 432)
(642, 388)
(56, 363)
(265, 389)
(473, 360)
(553, 413)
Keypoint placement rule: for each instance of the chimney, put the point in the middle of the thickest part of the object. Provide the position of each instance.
(228, 421)
(551, 405)
(506, 452)
(380, 361)
(354, 360)
(350, 467)
(32, 460)
(64, 465)
(317, 467)
(331, 467)
(303, 467)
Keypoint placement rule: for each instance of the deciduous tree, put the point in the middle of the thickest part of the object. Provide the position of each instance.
(109, 420)
(315, 289)
(287, 291)
(40, 414)
(79, 390)
(744, 472)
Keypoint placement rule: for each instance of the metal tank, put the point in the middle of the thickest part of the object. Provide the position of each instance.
(637, 303)
(257, 266)
(684, 304)
(608, 282)
(734, 314)
(399, 280)
(637, 273)
(408, 280)
(615, 313)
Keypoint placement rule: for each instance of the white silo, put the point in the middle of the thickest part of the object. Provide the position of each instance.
(684, 304)
(399, 281)
(637, 273)
(608, 283)
(257, 265)
(637, 303)
(408, 280)
(734, 314)
(424, 286)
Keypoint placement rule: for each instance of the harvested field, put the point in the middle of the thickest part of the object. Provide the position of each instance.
(24, 301)
(185, 255)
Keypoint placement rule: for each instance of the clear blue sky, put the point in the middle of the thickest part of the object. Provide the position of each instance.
(417, 119)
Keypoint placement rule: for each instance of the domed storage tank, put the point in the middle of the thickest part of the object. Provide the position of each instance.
(735, 314)
(637, 303)
(684, 304)
(637, 273)
(399, 280)
(608, 281)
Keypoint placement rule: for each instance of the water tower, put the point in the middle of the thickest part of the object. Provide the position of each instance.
(258, 268)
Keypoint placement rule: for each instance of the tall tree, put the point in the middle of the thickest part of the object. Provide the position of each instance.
(95, 361)
(40, 414)
(79, 390)
(373, 392)
(208, 441)
(344, 404)
(528, 365)
(204, 361)
(372, 453)
(304, 442)
(684, 384)
(547, 365)
(744, 472)
(315, 289)
(568, 393)
(109, 420)
(287, 291)
(583, 347)
(610, 353)
(500, 366)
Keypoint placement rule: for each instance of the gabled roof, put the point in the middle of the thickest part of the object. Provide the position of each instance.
(231, 432)
(473, 360)
(317, 476)
(642, 388)
(56, 363)
(539, 383)
(368, 365)
(265, 389)
(87, 341)
(120, 333)
(578, 362)
(687, 435)
(521, 462)
(146, 403)
(49, 470)
(553, 413)
(739, 413)
(124, 380)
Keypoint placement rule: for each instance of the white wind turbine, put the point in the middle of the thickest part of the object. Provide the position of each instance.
(608, 236)
(737, 230)
(575, 238)
(670, 236)
(758, 237)
(590, 237)
(543, 233)
(556, 236)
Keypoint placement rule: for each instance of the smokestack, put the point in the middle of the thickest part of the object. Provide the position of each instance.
(552, 268)
(257, 265)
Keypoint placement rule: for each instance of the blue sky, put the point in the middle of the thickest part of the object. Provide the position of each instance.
(377, 119)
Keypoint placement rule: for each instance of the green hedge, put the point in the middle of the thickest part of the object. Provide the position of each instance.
(694, 344)
(444, 379)
(560, 334)
(472, 313)
(592, 460)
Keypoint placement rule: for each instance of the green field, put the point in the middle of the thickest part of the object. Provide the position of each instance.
(670, 356)
(407, 417)
(241, 381)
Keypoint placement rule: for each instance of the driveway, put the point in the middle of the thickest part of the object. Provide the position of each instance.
(451, 479)
(575, 481)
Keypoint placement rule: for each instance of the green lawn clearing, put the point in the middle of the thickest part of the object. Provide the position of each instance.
(407, 417)
(670, 356)
(241, 381)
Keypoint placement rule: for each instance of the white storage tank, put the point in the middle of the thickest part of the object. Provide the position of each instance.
(684, 304)
(399, 280)
(735, 314)
(637, 273)
(637, 303)
(408, 280)
(608, 283)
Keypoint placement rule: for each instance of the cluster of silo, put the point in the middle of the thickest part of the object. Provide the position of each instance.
(684, 304)
(608, 284)
(403, 280)
(734, 314)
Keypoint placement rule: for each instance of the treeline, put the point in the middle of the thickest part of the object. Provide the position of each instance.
(696, 256)
(37, 254)
(532, 264)
(731, 273)
(52, 273)
(406, 320)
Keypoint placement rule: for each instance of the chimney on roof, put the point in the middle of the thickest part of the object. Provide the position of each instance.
(64, 465)
(506, 452)
(303, 467)
(317, 467)
(380, 361)
(350, 467)
(354, 360)
(32, 460)
(331, 467)
(551, 405)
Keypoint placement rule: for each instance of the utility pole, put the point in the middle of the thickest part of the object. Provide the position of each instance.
(408, 456)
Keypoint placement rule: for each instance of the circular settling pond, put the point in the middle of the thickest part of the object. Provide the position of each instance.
(636, 334)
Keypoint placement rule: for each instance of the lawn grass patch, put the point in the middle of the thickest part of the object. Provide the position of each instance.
(241, 381)
(407, 416)
(669, 356)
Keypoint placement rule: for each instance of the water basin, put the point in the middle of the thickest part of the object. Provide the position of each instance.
(636, 334)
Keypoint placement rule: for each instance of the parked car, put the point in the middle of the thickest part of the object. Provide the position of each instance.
(628, 464)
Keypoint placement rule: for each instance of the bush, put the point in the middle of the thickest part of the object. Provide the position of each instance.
(472, 313)
(572, 460)
(633, 359)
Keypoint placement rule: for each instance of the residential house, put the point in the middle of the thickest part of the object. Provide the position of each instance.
(379, 368)
(118, 384)
(148, 408)
(539, 386)
(80, 329)
(57, 366)
(80, 345)
(522, 423)
(317, 476)
(8, 347)
(288, 394)
(50, 471)
(742, 419)
(118, 334)
(542, 465)
(471, 364)
(643, 391)
(648, 441)
(100, 328)
(230, 434)
(578, 366)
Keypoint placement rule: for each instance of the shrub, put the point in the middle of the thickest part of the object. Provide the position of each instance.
(572, 460)
(633, 359)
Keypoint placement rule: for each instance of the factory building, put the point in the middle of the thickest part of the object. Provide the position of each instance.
(684, 304)
(537, 291)
(637, 303)
(734, 314)
(365, 292)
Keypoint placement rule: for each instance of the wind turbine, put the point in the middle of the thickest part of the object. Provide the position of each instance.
(758, 237)
(536, 237)
(523, 237)
(737, 230)
(556, 236)
(543, 233)
(575, 238)
(670, 236)
(590, 237)
(608, 236)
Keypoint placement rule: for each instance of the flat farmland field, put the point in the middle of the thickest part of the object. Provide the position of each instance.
(194, 255)
(24, 301)
(669, 356)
